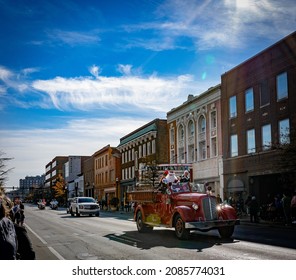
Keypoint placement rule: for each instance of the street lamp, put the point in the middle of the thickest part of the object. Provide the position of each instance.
(66, 193)
(117, 191)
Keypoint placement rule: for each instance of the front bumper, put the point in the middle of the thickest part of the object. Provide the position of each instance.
(207, 225)
(89, 211)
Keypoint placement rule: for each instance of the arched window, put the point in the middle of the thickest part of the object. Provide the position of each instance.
(181, 133)
(202, 152)
(190, 142)
(202, 124)
(190, 128)
(181, 144)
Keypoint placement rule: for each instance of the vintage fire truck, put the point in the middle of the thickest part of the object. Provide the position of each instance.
(183, 206)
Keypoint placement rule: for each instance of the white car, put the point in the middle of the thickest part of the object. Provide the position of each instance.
(84, 206)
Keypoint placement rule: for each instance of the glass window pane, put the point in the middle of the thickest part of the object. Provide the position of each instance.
(284, 131)
(232, 107)
(213, 120)
(191, 128)
(234, 146)
(202, 124)
(249, 97)
(214, 146)
(172, 136)
(251, 141)
(282, 86)
(266, 137)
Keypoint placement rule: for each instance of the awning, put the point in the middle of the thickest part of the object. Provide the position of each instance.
(110, 190)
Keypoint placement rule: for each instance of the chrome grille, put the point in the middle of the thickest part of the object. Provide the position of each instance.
(209, 208)
(90, 207)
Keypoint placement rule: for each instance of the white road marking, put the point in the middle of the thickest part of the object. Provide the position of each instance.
(45, 243)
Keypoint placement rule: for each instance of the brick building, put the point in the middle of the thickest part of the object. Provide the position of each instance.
(106, 173)
(146, 146)
(258, 113)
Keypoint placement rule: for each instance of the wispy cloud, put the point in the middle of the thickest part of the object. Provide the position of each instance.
(73, 38)
(87, 93)
(228, 23)
(11, 80)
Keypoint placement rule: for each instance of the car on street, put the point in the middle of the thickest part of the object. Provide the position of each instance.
(84, 206)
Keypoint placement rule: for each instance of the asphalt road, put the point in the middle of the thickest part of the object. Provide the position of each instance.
(113, 236)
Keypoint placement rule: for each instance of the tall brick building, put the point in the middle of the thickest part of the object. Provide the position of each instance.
(258, 100)
(145, 146)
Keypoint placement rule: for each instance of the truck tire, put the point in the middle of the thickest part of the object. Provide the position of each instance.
(77, 213)
(226, 232)
(141, 226)
(180, 230)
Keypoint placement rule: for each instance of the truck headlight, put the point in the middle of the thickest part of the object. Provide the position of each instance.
(194, 206)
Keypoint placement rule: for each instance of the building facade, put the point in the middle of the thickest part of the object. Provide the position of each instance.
(194, 130)
(73, 175)
(146, 146)
(258, 99)
(30, 184)
(52, 171)
(106, 174)
(89, 178)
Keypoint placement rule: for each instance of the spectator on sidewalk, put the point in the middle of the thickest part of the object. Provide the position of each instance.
(14, 240)
(8, 237)
(254, 209)
(286, 202)
(293, 208)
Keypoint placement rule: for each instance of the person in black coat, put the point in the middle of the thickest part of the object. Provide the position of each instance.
(8, 237)
(254, 209)
(14, 240)
(25, 250)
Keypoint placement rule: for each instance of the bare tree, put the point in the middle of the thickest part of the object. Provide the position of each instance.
(3, 168)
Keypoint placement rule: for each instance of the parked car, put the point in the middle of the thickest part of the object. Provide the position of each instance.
(84, 206)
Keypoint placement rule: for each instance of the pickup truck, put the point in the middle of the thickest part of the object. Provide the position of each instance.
(183, 207)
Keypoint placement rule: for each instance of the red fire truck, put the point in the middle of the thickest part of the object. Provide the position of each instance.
(183, 206)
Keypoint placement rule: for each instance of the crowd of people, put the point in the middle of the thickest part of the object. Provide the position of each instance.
(278, 208)
(15, 243)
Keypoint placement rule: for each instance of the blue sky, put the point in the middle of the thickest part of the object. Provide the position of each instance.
(78, 75)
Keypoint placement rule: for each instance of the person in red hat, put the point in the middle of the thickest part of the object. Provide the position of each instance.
(162, 185)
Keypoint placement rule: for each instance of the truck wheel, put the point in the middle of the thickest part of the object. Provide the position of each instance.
(77, 213)
(226, 232)
(180, 230)
(141, 225)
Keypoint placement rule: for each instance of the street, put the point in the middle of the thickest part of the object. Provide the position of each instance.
(114, 236)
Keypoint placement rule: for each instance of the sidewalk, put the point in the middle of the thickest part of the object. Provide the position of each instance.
(246, 220)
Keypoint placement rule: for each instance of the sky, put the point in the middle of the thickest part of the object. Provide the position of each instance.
(77, 75)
